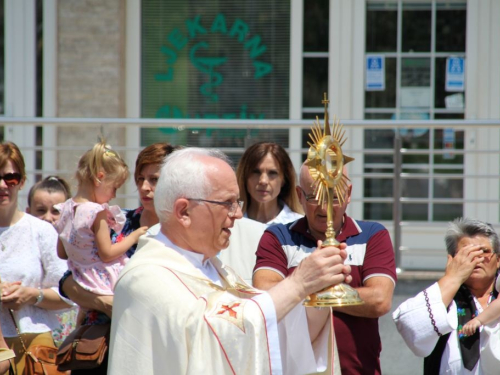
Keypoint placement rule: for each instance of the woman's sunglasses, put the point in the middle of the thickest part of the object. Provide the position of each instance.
(11, 179)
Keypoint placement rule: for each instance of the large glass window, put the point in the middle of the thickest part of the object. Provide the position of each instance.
(415, 42)
(215, 60)
(315, 62)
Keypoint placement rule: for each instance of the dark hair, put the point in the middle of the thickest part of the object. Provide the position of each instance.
(50, 184)
(253, 156)
(10, 151)
(465, 227)
(152, 154)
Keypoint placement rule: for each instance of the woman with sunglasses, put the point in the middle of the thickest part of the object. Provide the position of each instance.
(29, 266)
(266, 179)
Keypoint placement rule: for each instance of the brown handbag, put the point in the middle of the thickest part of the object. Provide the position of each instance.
(40, 359)
(84, 348)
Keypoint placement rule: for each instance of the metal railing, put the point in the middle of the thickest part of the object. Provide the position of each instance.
(479, 144)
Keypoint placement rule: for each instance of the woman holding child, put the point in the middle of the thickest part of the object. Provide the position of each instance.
(147, 171)
(146, 175)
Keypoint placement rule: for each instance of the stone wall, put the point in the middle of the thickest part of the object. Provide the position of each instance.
(90, 73)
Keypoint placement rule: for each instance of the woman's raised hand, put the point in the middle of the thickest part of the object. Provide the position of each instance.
(463, 263)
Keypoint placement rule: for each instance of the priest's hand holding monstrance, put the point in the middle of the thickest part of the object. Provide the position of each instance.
(326, 161)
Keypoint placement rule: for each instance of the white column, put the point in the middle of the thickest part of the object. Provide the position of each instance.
(482, 102)
(296, 62)
(49, 85)
(346, 64)
(20, 79)
(132, 93)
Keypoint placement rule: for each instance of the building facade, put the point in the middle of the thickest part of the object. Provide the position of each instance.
(377, 60)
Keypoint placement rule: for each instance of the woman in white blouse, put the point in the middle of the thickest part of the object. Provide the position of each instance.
(431, 323)
(267, 181)
(29, 266)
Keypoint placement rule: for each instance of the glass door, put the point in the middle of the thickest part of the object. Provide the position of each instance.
(415, 69)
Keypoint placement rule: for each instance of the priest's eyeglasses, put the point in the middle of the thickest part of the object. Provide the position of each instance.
(231, 206)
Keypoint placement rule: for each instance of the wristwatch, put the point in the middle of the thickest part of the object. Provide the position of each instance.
(39, 299)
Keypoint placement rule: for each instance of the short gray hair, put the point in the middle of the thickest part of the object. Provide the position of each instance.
(465, 227)
(182, 175)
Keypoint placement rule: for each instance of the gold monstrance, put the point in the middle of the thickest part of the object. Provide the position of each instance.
(326, 162)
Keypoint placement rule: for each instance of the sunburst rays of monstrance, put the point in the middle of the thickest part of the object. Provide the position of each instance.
(326, 161)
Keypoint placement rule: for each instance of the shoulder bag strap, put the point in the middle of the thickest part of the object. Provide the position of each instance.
(18, 331)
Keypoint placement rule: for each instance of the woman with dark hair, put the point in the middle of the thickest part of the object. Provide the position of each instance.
(29, 267)
(267, 181)
(147, 171)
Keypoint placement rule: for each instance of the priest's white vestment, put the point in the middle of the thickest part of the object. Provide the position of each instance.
(169, 318)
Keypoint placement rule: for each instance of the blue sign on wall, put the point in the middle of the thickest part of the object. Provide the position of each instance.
(455, 74)
(375, 73)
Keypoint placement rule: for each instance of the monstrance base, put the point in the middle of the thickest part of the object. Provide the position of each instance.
(334, 296)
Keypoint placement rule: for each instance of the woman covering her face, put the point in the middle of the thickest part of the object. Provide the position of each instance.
(432, 323)
(267, 181)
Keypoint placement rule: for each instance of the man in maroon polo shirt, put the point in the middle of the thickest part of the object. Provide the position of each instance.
(370, 255)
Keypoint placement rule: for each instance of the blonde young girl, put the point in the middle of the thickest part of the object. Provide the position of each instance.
(86, 219)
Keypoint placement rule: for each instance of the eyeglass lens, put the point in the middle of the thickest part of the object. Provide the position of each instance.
(234, 208)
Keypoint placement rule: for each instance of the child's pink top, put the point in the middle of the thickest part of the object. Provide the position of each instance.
(75, 231)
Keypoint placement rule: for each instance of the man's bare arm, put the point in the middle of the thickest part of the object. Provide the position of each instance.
(377, 294)
(265, 279)
(317, 271)
(86, 299)
(316, 320)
